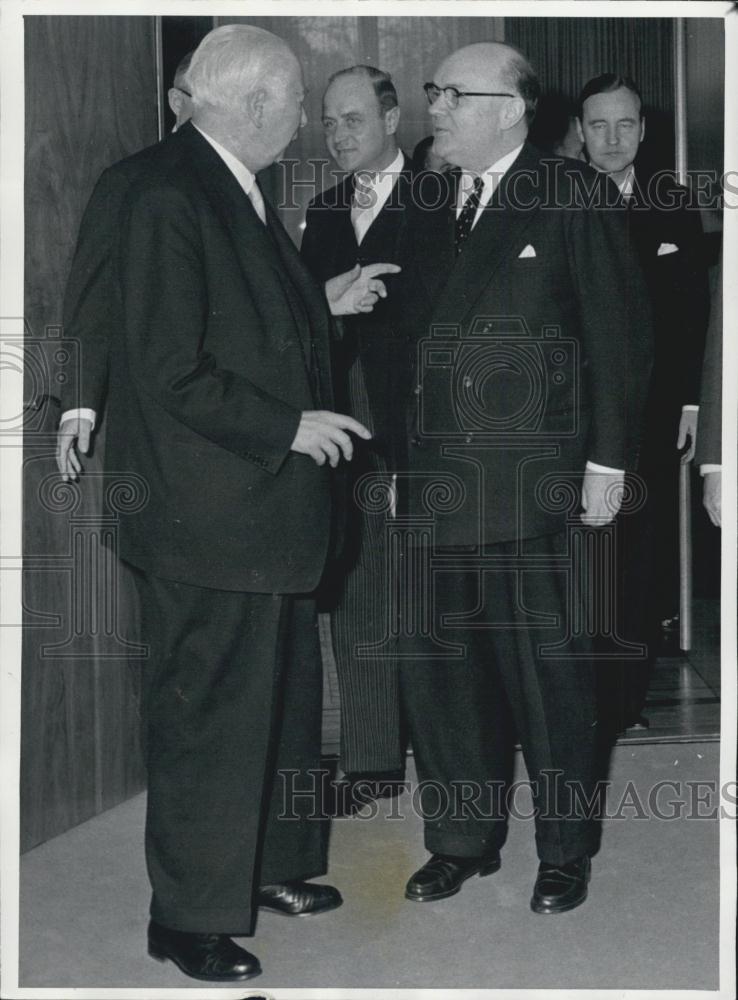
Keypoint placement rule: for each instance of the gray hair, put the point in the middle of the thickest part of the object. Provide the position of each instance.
(229, 62)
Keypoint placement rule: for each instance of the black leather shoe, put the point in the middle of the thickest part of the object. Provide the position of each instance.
(297, 899)
(212, 957)
(561, 887)
(444, 875)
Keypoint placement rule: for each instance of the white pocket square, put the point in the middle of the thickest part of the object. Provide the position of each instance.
(527, 252)
(666, 248)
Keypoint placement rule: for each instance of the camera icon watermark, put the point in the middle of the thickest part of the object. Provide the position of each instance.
(43, 365)
(500, 380)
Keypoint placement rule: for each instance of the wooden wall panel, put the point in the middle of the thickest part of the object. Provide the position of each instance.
(90, 100)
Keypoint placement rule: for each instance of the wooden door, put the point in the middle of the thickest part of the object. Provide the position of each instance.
(91, 99)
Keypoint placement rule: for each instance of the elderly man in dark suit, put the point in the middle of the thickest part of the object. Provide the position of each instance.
(362, 219)
(667, 236)
(219, 400)
(532, 348)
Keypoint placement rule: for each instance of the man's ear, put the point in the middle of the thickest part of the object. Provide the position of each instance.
(174, 99)
(580, 130)
(643, 129)
(512, 112)
(255, 101)
(391, 121)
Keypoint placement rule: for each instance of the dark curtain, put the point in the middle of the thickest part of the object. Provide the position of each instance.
(568, 51)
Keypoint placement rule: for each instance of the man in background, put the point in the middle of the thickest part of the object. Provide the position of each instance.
(667, 236)
(362, 219)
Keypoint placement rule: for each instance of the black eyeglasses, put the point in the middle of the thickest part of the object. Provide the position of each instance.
(183, 91)
(452, 94)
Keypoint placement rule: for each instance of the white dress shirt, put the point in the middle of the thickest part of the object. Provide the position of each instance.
(490, 179)
(378, 187)
(249, 186)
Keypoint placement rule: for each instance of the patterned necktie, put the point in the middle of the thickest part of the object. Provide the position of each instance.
(361, 203)
(467, 215)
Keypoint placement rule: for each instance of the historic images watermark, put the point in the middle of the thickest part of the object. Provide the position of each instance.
(315, 792)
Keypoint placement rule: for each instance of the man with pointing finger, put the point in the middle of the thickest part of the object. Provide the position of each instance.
(362, 219)
(220, 408)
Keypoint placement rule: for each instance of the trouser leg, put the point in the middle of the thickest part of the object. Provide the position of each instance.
(210, 736)
(462, 715)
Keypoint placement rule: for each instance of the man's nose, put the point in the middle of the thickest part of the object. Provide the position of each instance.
(612, 136)
(438, 107)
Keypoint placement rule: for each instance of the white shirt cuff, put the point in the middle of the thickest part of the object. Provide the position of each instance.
(691, 407)
(594, 467)
(81, 414)
(704, 469)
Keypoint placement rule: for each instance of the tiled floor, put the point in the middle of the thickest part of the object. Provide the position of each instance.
(684, 697)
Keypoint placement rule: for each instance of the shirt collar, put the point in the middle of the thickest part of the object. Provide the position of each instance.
(627, 184)
(382, 178)
(242, 173)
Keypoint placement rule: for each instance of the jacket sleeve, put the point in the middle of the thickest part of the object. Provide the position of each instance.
(165, 306)
(617, 334)
(89, 300)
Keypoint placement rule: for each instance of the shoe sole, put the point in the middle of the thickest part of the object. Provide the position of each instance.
(303, 913)
(163, 956)
(489, 869)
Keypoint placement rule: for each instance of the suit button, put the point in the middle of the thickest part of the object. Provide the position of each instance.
(418, 389)
(467, 382)
(416, 441)
(469, 438)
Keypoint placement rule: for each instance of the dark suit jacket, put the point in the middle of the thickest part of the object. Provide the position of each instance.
(709, 431)
(218, 341)
(329, 248)
(532, 351)
(678, 287)
(89, 297)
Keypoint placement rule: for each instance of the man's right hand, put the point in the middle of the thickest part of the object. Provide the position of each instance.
(322, 435)
(76, 429)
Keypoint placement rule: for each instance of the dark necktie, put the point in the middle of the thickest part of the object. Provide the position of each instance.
(467, 215)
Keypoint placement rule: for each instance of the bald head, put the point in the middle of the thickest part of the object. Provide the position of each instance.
(481, 129)
(247, 92)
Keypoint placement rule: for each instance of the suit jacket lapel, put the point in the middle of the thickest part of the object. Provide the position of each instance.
(380, 238)
(508, 213)
(312, 296)
(432, 229)
(256, 245)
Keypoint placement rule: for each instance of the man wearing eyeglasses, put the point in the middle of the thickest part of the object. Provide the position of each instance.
(362, 220)
(528, 322)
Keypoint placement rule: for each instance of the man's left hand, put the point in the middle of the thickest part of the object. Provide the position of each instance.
(688, 429)
(602, 494)
(357, 290)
